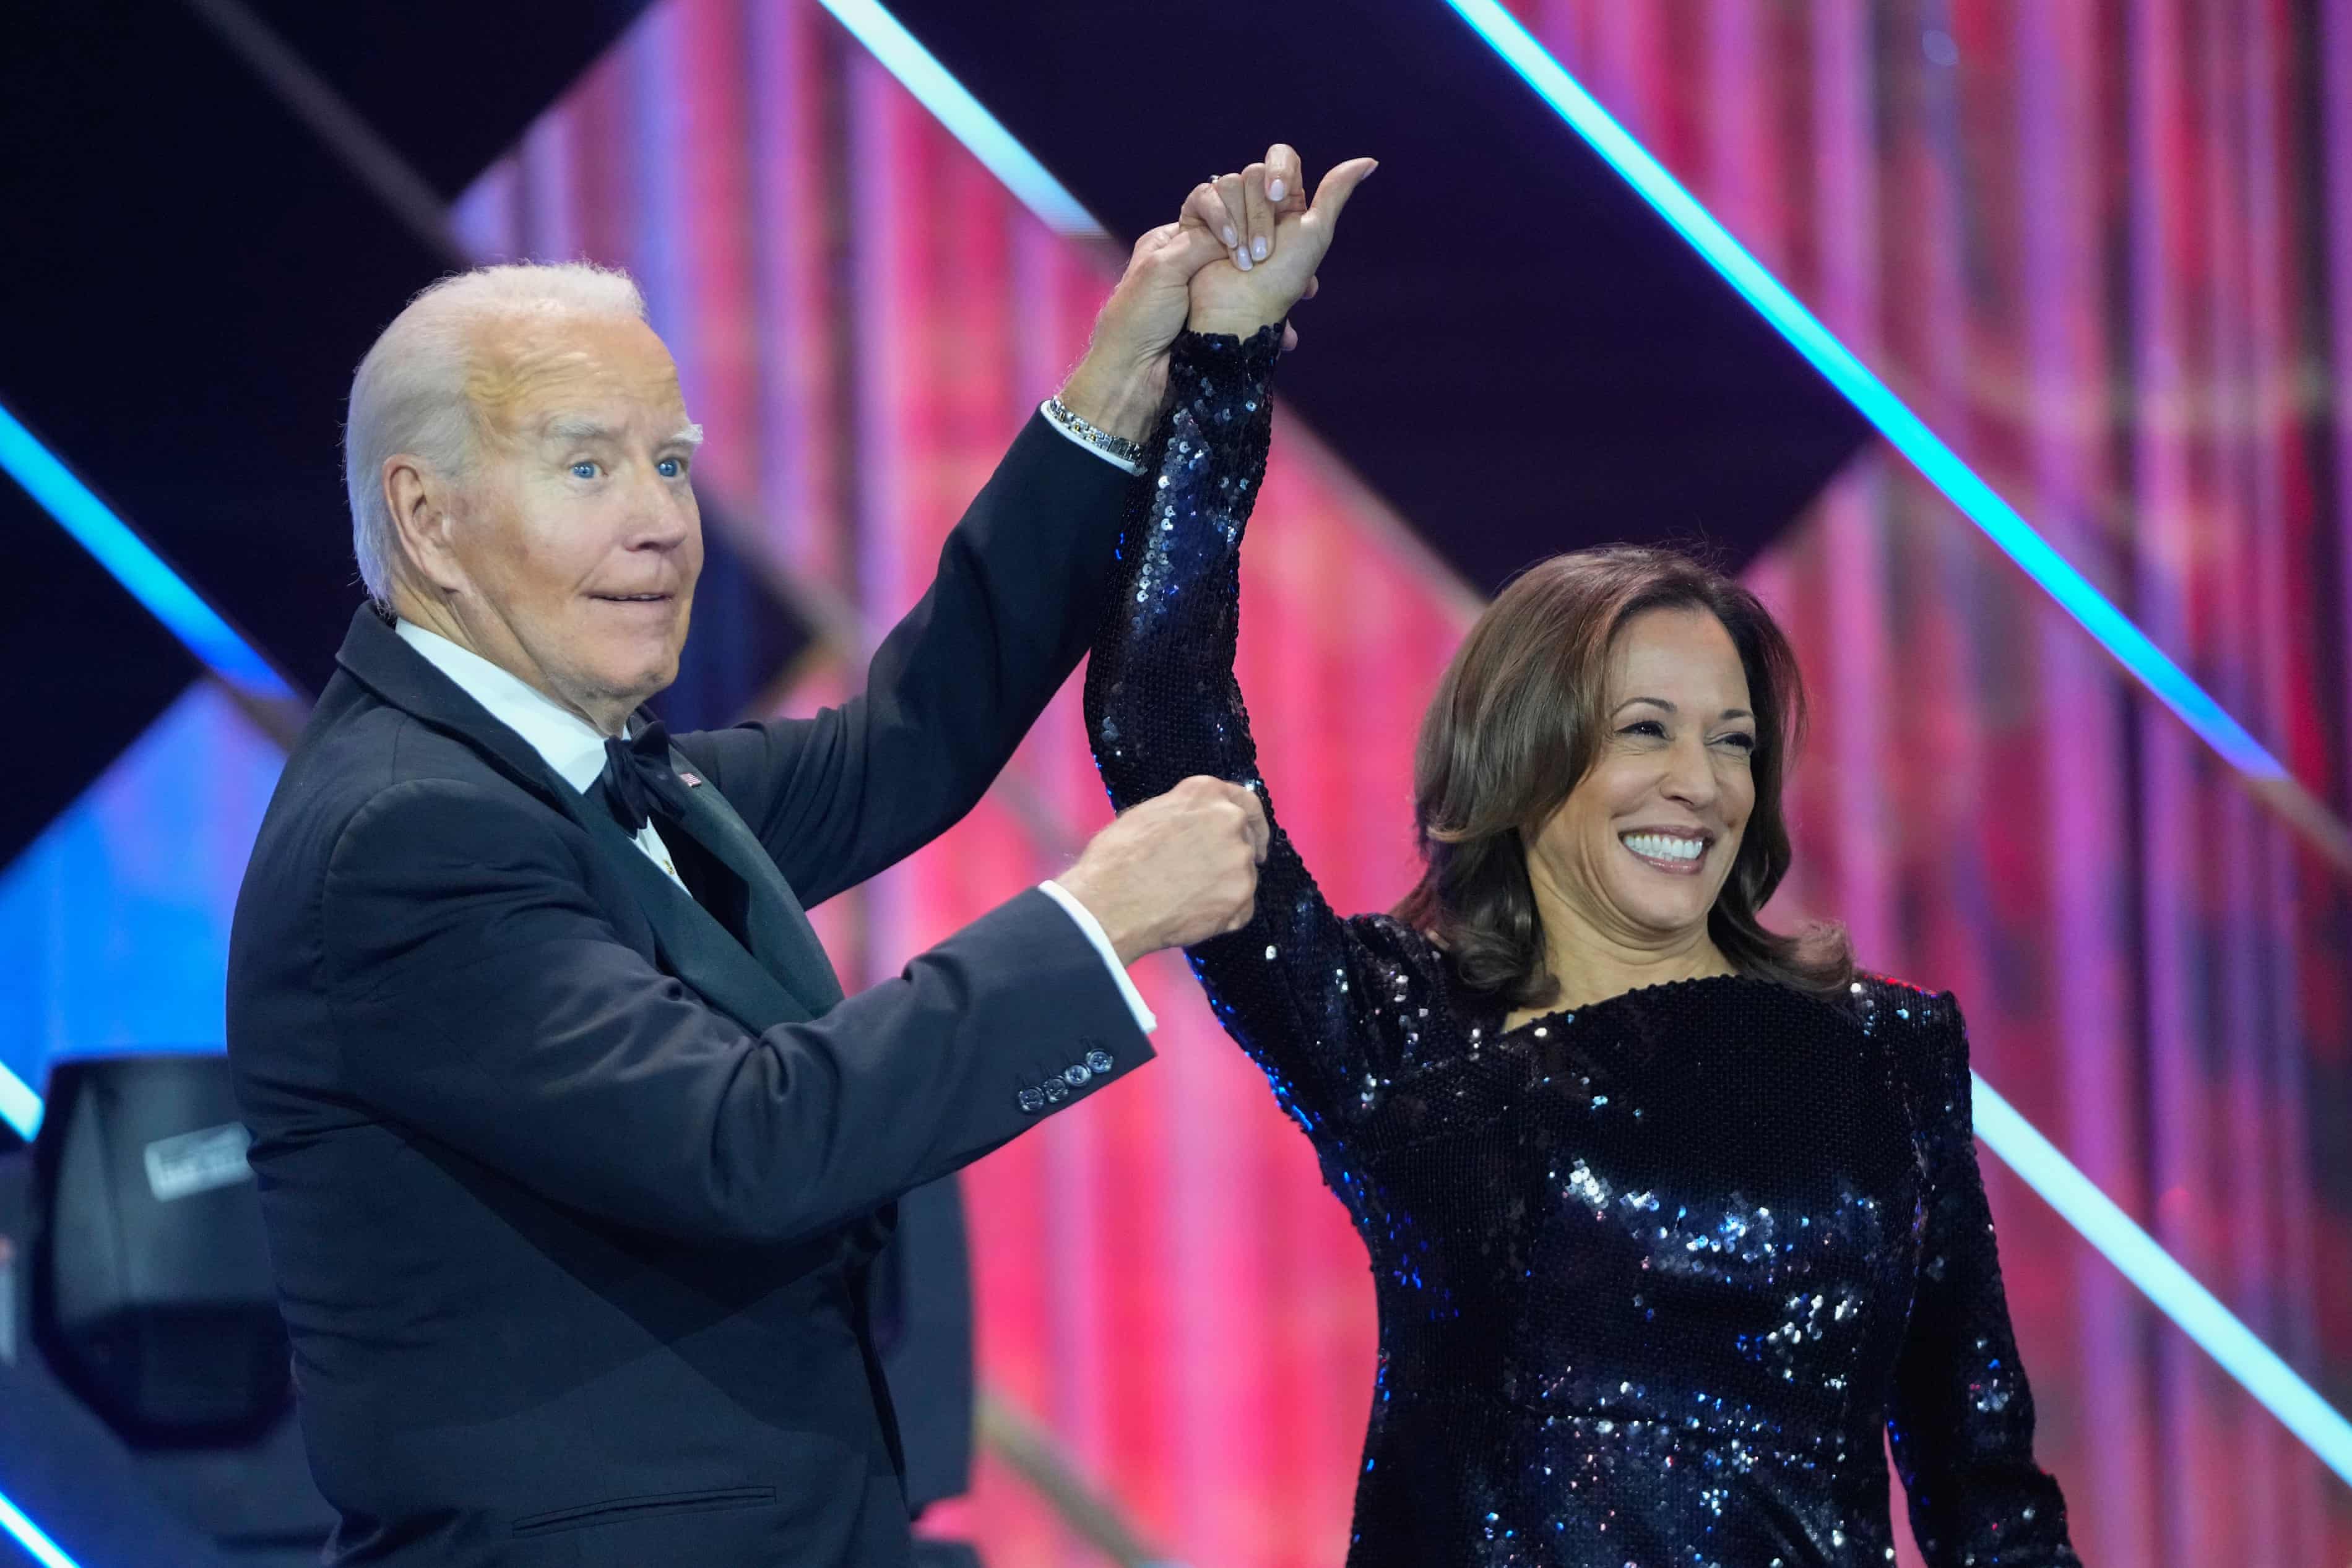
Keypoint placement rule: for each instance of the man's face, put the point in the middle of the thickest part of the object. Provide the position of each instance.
(576, 529)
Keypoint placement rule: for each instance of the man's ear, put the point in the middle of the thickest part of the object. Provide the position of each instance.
(420, 499)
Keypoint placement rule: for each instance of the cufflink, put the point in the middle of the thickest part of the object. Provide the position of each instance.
(1033, 1101)
(1098, 1063)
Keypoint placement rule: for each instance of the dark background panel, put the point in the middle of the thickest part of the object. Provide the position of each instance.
(451, 86)
(189, 306)
(191, 278)
(1513, 348)
(88, 665)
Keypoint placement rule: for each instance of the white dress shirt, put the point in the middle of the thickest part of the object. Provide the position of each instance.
(575, 750)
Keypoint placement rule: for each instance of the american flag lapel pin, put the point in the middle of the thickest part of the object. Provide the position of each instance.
(690, 780)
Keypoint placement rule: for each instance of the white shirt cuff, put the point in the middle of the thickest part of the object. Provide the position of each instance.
(1094, 933)
(1083, 444)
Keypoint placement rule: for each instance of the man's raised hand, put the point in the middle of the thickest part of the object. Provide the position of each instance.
(1174, 870)
(1119, 384)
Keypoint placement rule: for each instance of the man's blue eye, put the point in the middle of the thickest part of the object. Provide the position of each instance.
(670, 467)
(584, 470)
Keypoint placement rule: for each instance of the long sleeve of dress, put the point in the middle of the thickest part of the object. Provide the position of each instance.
(1298, 988)
(1962, 1416)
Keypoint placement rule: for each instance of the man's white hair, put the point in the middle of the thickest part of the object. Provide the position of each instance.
(410, 392)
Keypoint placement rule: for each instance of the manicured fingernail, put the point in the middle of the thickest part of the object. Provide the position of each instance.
(1275, 189)
(1242, 259)
(1232, 239)
(1258, 247)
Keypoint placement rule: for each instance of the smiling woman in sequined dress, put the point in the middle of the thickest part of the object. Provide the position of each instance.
(1670, 1215)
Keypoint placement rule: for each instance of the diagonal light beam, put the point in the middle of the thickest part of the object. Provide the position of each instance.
(32, 1537)
(952, 103)
(2164, 1282)
(20, 1106)
(114, 545)
(2154, 1271)
(2263, 775)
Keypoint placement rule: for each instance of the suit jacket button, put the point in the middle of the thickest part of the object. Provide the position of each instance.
(1055, 1090)
(1098, 1062)
(1033, 1101)
(1077, 1076)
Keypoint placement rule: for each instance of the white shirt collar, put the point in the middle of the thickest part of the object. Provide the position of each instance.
(570, 744)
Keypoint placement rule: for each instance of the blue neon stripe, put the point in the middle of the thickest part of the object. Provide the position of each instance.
(32, 1537)
(19, 1106)
(139, 569)
(1905, 429)
(954, 107)
(2164, 1282)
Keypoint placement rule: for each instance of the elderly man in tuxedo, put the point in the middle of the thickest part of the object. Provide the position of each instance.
(571, 1151)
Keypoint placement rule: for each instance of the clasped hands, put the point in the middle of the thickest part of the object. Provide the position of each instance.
(1269, 237)
(1244, 250)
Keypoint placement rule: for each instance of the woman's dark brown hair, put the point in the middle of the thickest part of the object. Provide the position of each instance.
(1515, 726)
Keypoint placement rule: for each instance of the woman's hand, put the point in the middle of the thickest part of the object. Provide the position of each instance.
(1274, 238)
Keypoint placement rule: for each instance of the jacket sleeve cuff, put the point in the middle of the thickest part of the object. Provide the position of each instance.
(1092, 929)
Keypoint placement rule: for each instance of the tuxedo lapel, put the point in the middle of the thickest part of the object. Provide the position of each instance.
(776, 927)
(693, 945)
(794, 983)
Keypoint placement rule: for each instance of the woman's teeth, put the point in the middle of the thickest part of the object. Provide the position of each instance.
(1658, 846)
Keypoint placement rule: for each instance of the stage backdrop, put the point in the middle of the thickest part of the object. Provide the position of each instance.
(2105, 247)
(2098, 246)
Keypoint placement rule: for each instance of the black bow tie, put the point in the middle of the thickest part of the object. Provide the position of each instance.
(637, 780)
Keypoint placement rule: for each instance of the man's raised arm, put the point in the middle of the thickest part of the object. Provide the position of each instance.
(1016, 600)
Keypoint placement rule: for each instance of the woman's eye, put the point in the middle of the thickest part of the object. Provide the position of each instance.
(584, 470)
(1649, 726)
(1741, 739)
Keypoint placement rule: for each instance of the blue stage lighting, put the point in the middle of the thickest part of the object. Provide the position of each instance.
(961, 113)
(20, 1107)
(1906, 431)
(139, 569)
(2164, 1282)
(32, 1537)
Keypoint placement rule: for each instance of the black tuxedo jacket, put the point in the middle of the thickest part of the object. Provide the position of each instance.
(570, 1178)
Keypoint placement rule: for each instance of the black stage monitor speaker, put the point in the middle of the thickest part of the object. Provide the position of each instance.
(152, 1295)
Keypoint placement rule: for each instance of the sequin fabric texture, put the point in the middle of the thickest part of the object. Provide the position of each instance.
(1652, 1276)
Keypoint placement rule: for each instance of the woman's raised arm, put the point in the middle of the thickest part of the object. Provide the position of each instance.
(1295, 986)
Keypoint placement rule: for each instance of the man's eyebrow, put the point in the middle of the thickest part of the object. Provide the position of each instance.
(570, 430)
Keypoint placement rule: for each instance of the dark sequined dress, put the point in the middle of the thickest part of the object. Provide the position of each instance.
(1653, 1275)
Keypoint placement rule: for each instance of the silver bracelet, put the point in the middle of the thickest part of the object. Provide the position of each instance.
(1118, 448)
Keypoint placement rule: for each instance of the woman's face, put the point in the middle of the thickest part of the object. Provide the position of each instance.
(1640, 849)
